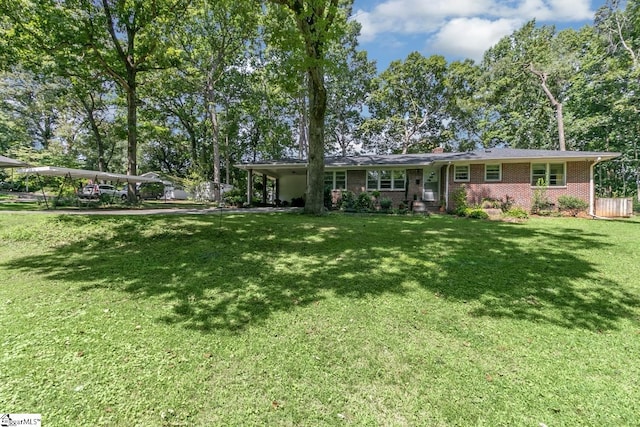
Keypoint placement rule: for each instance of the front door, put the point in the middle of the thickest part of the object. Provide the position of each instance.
(431, 183)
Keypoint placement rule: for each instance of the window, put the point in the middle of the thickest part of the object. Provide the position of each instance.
(335, 180)
(461, 173)
(493, 172)
(386, 179)
(399, 179)
(552, 174)
(373, 179)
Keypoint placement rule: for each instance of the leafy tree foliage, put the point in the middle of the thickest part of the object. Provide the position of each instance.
(189, 88)
(422, 103)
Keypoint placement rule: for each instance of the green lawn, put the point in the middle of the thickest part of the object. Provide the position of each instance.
(283, 319)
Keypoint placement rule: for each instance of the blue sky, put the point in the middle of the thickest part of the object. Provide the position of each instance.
(456, 29)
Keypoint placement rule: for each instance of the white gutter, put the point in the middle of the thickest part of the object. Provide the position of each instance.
(592, 188)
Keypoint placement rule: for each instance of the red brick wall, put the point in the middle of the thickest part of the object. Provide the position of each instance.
(357, 182)
(516, 184)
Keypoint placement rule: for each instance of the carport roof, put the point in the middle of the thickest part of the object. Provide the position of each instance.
(7, 162)
(82, 173)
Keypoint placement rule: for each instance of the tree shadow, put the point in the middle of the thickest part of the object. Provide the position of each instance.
(226, 273)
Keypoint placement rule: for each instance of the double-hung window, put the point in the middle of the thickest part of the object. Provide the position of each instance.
(493, 172)
(335, 180)
(551, 174)
(386, 179)
(461, 173)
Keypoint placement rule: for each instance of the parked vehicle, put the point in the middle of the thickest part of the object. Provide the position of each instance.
(151, 190)
(94, 191)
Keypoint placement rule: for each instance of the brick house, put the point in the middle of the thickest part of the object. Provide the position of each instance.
(432, 178)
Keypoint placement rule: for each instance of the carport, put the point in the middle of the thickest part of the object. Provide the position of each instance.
(290, 172)
(69, 174)
(7, 162)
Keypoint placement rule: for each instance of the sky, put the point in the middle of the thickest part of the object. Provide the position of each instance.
(456, 29)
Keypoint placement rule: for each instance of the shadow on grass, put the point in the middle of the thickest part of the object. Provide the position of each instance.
(227, 272)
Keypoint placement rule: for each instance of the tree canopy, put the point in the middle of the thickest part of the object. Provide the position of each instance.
(189, 88)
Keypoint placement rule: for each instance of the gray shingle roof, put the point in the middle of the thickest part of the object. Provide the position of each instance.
(503, 154)
(493, 154)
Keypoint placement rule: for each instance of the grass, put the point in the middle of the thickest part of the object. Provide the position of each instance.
(283, 319)
(9, 202)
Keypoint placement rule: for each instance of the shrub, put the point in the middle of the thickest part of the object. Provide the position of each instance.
(506, 204)
(328, 199)
(516, 212)
(364, 202)
(571, 204)
(491, 204)
(348, 201)
(385, 203)
(476, 213)
(541, 203)
(460, 200)
(234, 197)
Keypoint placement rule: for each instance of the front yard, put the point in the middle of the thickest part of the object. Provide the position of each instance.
(283, 319)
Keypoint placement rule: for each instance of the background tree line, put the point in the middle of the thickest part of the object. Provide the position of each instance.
(190, 87)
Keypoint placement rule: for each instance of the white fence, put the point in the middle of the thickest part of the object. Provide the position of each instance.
(611, 208)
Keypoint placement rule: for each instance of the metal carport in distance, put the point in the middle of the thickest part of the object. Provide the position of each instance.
(7, 162)
(83, 173)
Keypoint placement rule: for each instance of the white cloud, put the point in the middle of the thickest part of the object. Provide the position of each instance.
(546, 10)
(414, 16)
(425, 17)
(471, 37)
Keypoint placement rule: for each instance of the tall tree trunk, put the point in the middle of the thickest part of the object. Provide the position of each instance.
(89, 109)
(215, 139)
(313, 19)
(303, 140)
(317, 109)
(303, 144)
(132, 133)
(560, 119)
(227, 161)
(555, 104)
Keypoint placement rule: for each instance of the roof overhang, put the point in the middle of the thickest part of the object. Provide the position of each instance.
(82, 173)
(558, 156)
(276, 169)
(281, 168)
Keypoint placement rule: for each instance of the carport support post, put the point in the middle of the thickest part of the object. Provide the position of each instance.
(264, 188)
(249, 185)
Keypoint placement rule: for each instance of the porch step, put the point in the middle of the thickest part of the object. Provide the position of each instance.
(419, 206)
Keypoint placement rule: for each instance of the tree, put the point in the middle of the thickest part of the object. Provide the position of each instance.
(409, 105)
(463, 106)
(125, 39)
(520, 72)
(213, 41)
(315, 22)
(121, 39)
(348, 84)
(621, 32)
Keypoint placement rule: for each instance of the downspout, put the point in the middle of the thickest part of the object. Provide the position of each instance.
(446, 189)
(592, 188)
